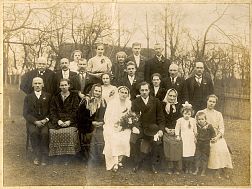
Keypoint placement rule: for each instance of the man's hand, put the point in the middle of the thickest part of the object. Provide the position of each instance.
(38, 123)
(67, 123)
(81, 95)
(61, 123)
(160, 133)
(135, 130)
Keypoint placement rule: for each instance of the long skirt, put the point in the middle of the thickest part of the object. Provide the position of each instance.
(64, 141)
(173, 149)
(116, 144)
(219, 156)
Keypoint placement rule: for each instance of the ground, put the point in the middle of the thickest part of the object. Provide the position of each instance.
(19, 171)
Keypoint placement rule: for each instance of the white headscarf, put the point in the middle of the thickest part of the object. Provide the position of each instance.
(168, 104)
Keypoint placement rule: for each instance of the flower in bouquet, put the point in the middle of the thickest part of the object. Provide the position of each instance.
(129, 120)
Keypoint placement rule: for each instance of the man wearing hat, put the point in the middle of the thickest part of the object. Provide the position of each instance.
(151, 126)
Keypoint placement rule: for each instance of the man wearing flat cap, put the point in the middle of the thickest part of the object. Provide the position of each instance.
(151, 126)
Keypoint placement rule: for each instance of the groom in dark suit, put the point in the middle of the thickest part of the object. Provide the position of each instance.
(36, 114)
(151, 126)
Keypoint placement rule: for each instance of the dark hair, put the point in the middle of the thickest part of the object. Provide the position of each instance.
(106, 73)
(156, 74)
(136, 44)
(131, 63)
(64, 79)
(144, 83)
(187, 109)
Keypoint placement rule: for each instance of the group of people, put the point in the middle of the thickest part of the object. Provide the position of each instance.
(80, 107)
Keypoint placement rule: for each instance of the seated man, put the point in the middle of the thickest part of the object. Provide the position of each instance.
(152, 124)
(36, 113)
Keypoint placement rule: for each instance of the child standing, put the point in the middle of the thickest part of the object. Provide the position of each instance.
(205, 132)
(186, 131)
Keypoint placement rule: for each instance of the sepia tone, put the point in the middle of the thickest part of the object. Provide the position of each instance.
(217, 33)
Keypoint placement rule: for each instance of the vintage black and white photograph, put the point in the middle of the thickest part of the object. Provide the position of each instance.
(124, 93)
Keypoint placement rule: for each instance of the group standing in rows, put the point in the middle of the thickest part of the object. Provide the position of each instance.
(80, 108)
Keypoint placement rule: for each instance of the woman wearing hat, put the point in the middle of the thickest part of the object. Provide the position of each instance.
(117, 141)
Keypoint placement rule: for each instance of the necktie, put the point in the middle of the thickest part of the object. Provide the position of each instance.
(198, 80)
(82, 81)
(173, 80)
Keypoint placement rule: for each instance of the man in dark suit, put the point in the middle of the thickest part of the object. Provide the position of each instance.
(156, 89)
(138, 59)
(41, 70)
(198, 87)
(151, 126)
(175, 82)
(131, 80)
(36, 114)
(64, 73)
(157, 64)
(83, 81)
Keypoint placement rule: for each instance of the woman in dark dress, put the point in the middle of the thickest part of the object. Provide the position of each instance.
(64, 139)
(172, 147)
(90, 123)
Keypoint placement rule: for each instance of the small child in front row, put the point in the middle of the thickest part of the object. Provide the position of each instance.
(186, 131)
(205, 132)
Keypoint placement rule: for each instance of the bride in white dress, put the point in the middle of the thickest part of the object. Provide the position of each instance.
(117, 141)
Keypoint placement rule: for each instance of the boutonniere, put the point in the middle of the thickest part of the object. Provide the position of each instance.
(134, 81)
(204, 83)
(44, 98)
(177, 83)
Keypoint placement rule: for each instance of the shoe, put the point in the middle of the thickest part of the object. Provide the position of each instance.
(135, 169)
(177, 173)
(43, 161)
(36, 161)
(115, 168)
(154, 170)
(120, 165)
(169, 173)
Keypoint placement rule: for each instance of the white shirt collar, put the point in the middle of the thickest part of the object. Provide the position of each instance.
(65, 74)
(38, 94)
(131, 79)
(145, 100)
(175, 79)
(156, 90)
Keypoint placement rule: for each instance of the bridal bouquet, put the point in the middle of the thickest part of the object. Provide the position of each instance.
(129, 120)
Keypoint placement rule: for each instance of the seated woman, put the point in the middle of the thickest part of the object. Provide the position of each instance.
(90, 121)
(117, 141)
(108, 91)
(219, 157)
(63, 132)
(172, 147)
(99, 64)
